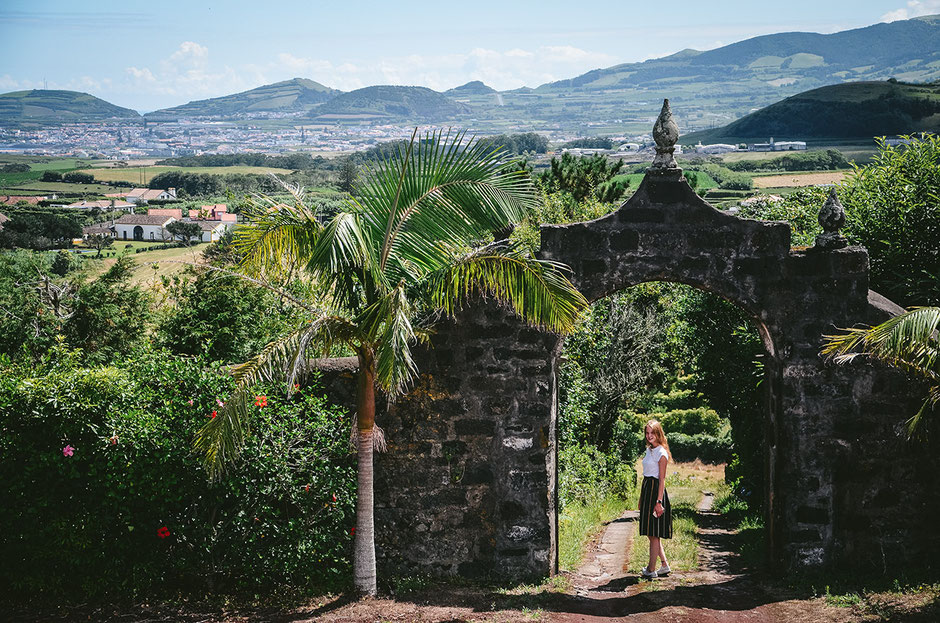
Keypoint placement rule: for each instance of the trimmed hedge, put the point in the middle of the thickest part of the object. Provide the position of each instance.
(104, 497)
(683, 448)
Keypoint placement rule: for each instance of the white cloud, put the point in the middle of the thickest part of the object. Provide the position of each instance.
(142, 75)
(190, 54)
(187, 75)
(914, 8)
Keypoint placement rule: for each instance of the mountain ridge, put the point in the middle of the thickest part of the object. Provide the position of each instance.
(852, 110)
(57, 105)
(297, 95)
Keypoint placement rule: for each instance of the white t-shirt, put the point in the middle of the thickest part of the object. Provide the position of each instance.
(651, 460)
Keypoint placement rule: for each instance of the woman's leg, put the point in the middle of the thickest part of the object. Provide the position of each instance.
(662, 553)
(656, 546)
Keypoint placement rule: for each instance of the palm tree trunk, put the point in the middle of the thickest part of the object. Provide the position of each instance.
(364, 542)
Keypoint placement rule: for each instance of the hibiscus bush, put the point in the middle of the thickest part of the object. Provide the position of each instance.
(104, 497)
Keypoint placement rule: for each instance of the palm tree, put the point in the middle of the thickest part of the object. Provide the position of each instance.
(907, 341)
(410, 246)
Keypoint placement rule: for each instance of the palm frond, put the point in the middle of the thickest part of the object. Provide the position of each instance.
(444, 190)
(536, 289)
(387, 325)
(344, 247)
(907, 341)
(222, 438)
(276, 235)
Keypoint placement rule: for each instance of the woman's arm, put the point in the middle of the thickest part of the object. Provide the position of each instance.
(658, 509)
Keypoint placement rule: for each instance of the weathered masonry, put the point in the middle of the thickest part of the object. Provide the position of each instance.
(468, 484)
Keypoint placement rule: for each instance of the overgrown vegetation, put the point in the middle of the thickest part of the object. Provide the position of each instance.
(891, 209)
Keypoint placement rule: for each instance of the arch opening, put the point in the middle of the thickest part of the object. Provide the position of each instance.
(679, 353)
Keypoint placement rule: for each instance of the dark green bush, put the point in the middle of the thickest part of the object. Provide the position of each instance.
(707, 448)
(131, 512)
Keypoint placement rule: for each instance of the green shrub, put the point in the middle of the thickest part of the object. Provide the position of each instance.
(706, 448)
(697, 421)
(131, 513)
(585, 474)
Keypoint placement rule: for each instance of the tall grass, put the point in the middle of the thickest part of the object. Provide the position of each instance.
(582, 521)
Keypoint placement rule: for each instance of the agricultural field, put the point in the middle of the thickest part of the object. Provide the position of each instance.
(151, 265)
(35, 187)
(705, 181)
(143, 175)
(797, 179)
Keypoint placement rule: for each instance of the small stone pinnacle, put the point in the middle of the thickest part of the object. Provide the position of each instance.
(831, 219)
(665, 133)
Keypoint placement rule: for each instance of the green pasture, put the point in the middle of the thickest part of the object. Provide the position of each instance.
(33, 186)
(151, 265)
(705, 181)
(143, 175)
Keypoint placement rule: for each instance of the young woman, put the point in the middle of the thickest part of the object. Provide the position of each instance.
(655, 511)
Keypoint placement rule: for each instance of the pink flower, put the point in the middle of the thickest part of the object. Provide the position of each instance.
(219, 402)
(68, 451)
(113, 440)
(190, 401)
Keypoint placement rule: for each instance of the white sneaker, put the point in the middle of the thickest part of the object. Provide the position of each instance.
(646, 573)
(664, 570)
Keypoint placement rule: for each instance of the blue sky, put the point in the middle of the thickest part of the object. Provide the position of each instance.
(149, 55)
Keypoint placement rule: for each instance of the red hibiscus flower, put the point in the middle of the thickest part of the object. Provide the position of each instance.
(163, 532)
(261, 401)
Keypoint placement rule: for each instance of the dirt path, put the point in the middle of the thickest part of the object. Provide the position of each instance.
(721, 590)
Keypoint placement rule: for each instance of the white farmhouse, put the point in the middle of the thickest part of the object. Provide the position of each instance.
(213, 230)
(144, 195)
(143, 227)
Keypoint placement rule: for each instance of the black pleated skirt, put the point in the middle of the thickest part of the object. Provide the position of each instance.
(649, 525)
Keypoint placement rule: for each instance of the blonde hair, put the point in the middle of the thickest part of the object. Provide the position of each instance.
(659, 434)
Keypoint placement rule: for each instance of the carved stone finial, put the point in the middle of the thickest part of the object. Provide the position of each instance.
(831, 218)
(665, 133)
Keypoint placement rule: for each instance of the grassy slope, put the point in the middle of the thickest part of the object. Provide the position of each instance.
(52, 105)
(143, 175)
(857, 110)
(147, 273)
(297, 95)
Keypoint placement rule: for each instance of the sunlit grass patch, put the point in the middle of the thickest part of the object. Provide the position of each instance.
(579, 523)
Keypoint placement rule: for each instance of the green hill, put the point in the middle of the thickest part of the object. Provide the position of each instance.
(471, 88)
(297, 95)
(394, 101)
(851, 110)
(44, 106)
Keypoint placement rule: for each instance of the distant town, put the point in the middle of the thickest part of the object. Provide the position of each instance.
(123, 140)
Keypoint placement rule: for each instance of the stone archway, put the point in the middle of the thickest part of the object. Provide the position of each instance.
(138, 232)
(468, 484)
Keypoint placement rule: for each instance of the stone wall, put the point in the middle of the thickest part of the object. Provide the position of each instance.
(468, 484)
